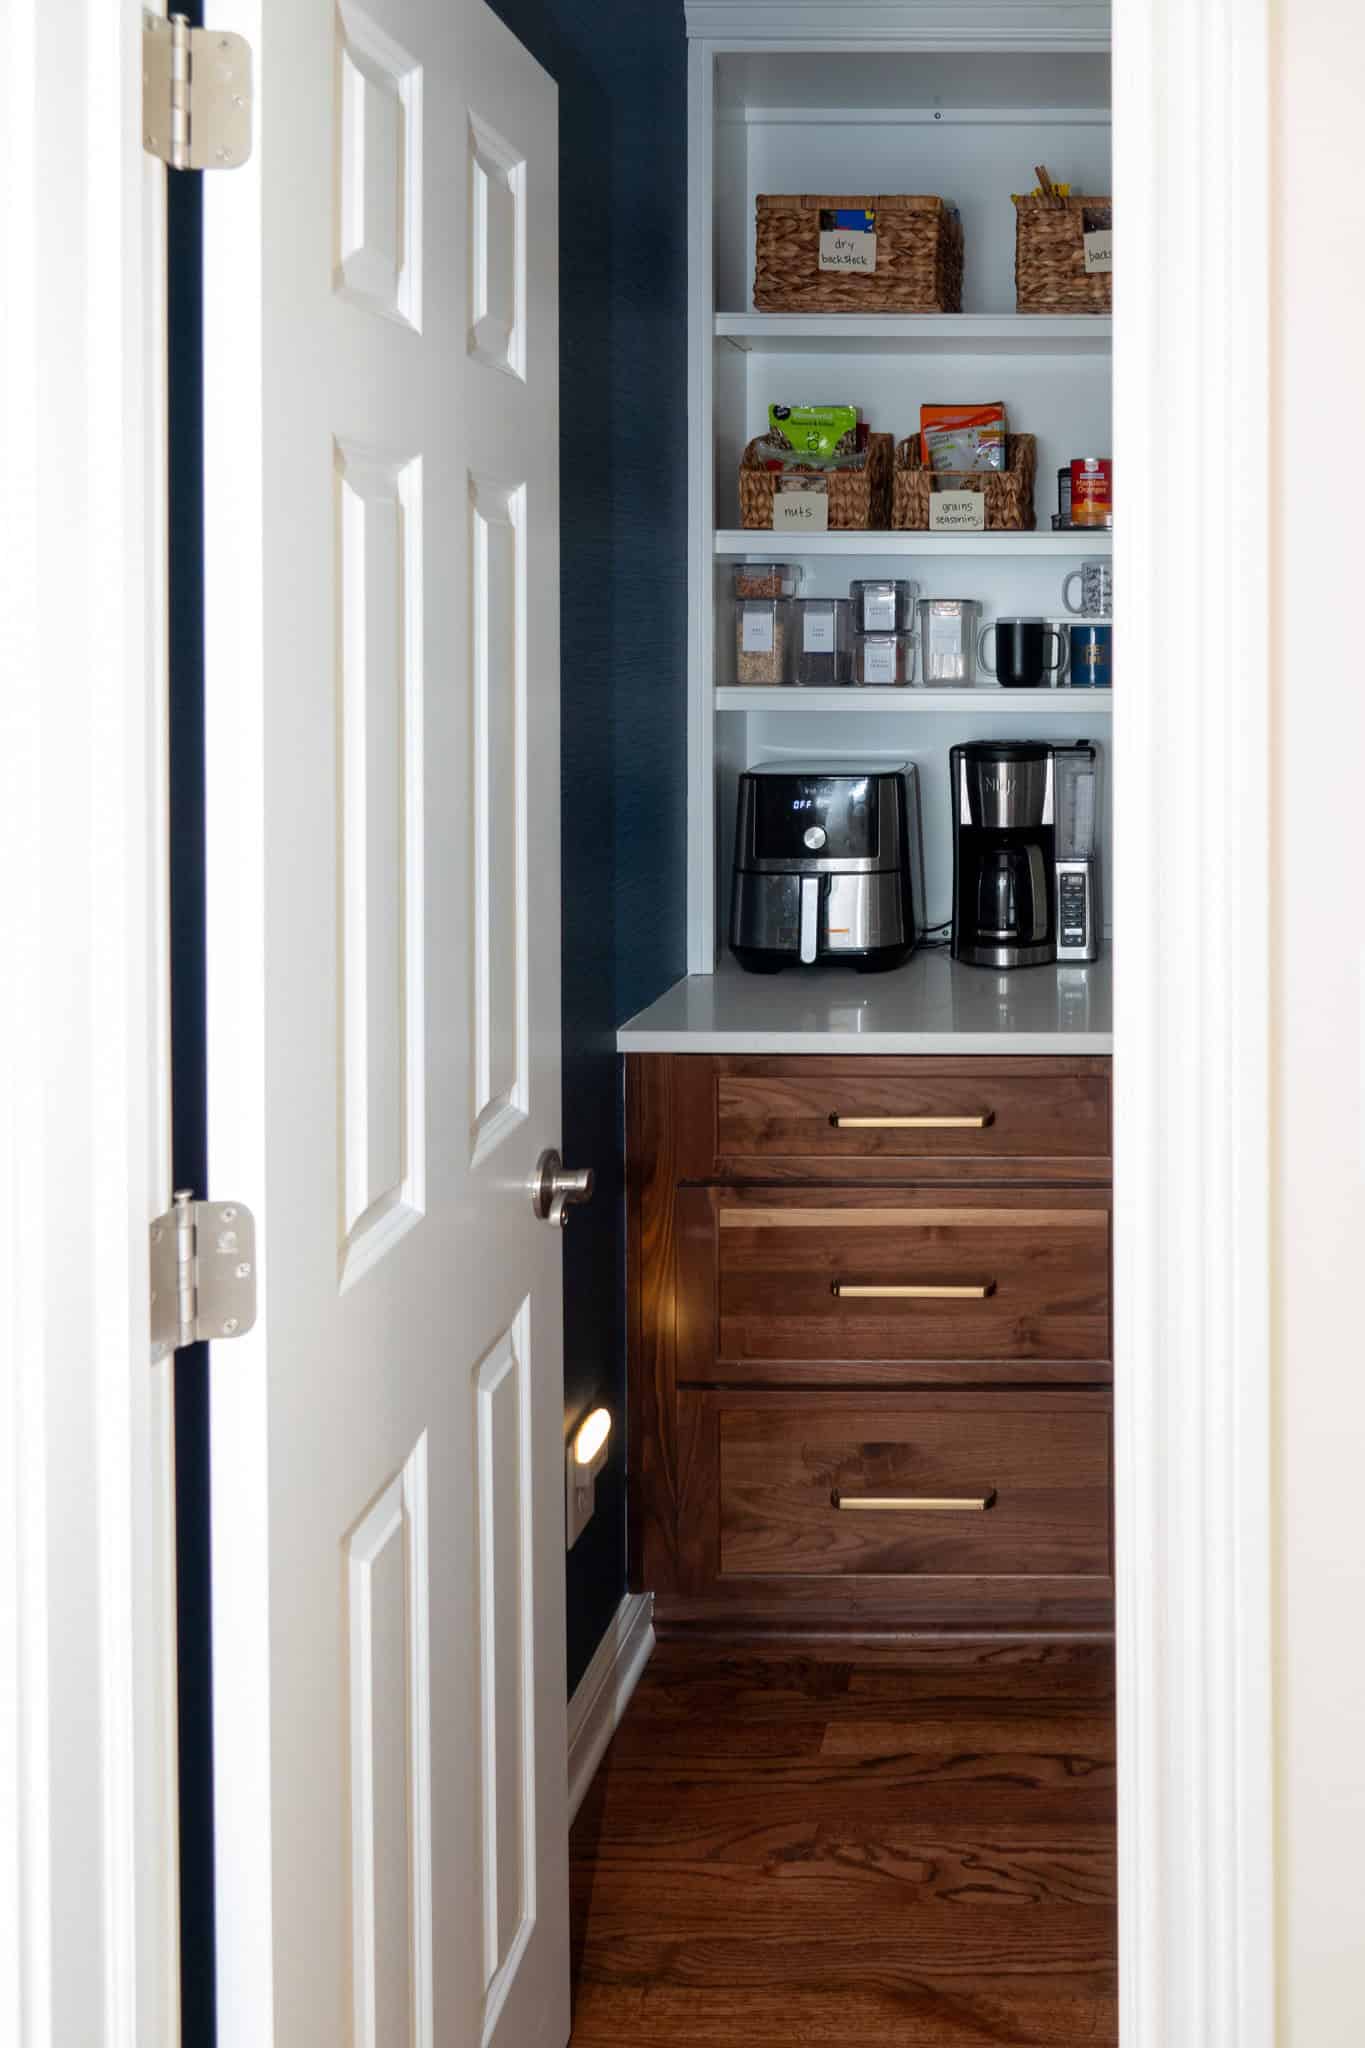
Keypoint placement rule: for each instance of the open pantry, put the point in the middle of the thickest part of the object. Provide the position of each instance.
(968, 126)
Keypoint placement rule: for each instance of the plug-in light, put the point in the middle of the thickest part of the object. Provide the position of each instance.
(585, 1455)
(591, 1439)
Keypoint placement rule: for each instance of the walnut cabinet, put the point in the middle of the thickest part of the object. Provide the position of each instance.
(870, 1342)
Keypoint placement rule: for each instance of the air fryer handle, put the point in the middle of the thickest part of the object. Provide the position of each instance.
(810, 918)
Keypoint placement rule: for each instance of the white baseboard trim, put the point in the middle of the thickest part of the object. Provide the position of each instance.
(603, 1692)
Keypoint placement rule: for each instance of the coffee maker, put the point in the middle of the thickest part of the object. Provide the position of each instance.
(829, 865)
(1004, 853)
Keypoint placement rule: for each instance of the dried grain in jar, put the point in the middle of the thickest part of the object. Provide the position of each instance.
(762, 634)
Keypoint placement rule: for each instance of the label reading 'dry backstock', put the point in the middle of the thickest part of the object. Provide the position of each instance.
(848, 239)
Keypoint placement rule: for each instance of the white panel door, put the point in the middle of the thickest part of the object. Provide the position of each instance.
(383, 742)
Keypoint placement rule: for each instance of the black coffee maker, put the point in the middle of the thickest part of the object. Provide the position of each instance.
(1004, 852)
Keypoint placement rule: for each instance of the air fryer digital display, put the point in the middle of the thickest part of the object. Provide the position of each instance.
(844, 807)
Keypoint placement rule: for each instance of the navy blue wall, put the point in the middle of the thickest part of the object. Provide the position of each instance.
(621, 70)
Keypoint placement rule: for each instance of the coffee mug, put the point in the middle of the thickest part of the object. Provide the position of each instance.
(1022, 659)
(1097, 590)
(1092, 660)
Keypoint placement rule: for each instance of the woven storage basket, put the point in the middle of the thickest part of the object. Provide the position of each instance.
(919, 256)
(858, 498)
(1008, 492)
(1049, 257)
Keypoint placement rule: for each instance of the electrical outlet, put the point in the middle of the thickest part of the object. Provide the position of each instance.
(579, 1489)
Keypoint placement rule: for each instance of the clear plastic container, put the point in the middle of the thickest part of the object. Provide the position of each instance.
(822, 653)
(763, 636)
(883, 660)
(768, 579)
(948, 628)
(883, 604)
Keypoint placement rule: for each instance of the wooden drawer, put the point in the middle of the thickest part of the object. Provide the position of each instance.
(876, 1118)
(871, 1505)
(837, 1285)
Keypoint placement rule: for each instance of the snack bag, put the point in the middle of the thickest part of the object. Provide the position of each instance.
(962, 437)
(815, 434)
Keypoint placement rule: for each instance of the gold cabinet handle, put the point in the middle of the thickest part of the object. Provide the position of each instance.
(912, 1504)
(912, 1123)
(975, 1290)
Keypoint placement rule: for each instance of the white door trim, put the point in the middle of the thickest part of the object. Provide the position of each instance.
(604, 1691)
(88, 1923)
(1191, 1071)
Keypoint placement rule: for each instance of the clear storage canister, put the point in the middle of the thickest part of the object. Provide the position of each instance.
(883, 604)
(821, 650)
(883, 660)
(762, 639)
(768, 579)
(947, 653)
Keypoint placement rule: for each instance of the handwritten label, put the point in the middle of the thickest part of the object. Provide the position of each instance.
(800, 512)
(957, 512)
(1099, 251)
(846, 249)
(879, 661)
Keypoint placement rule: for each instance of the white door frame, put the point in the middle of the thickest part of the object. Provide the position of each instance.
(88, 1921)
(82, 879)
(1191, 1064)
(1192, 917)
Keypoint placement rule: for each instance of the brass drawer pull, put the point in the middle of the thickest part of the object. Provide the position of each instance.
(912, 1123)
(912, 1504)
(978, 1290)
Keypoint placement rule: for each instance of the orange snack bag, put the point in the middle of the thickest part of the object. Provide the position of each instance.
(962, 437)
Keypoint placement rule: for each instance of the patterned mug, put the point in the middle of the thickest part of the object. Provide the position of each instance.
(1097, 590)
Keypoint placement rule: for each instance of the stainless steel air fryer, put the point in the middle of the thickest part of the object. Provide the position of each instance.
(829, 865)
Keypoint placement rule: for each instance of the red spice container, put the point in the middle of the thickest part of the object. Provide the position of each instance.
(1092, 491)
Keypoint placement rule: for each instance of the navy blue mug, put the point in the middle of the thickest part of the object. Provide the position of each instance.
(1092, 657)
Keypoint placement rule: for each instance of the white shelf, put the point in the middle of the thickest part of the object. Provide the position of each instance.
(987, 702)
(759, 543)
(990, 334)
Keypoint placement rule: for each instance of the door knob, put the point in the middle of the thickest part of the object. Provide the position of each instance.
(554, 1188)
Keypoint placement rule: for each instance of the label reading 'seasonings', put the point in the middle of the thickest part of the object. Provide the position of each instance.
(957, 512)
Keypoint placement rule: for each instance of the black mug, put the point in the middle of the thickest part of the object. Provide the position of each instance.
(1022, 660)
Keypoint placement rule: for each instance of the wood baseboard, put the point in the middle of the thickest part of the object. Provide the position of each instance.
(602, 1694)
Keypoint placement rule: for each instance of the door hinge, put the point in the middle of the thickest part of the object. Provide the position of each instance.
(203, 1273)
(196, 95)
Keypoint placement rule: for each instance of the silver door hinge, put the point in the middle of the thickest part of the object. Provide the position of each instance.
(196, 95)
(203, 1273)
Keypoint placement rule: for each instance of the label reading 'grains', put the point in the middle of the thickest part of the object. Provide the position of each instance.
(957, 512)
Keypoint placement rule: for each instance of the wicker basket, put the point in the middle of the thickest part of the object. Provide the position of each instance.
(1008, 492)
(1049, 257)
(858, 498)
(919, 256)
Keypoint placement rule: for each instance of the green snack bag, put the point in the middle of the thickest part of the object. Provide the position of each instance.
(815, 433)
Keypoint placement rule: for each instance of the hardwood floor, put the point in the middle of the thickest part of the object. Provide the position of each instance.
(782, 1850)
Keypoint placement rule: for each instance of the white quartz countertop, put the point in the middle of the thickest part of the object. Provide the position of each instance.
(932, 1004)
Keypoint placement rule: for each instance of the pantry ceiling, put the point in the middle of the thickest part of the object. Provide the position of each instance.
(759, 81)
